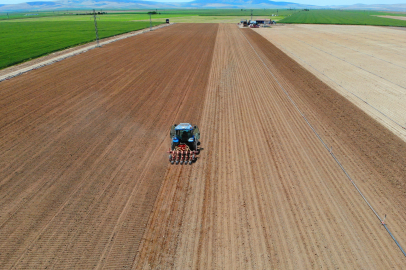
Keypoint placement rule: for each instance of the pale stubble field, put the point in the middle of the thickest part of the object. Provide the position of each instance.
(366, 64)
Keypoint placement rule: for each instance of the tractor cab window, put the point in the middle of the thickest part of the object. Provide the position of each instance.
(183, 135)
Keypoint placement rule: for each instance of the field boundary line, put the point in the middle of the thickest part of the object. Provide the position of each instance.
(382, 221)
(59, 58)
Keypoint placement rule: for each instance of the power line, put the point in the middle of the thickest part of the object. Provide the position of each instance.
(95, 28)
(150, 22)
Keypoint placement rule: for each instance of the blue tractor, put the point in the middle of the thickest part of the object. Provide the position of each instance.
(184, 143)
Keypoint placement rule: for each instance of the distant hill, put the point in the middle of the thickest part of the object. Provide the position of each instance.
(88, 4)
(140, 4)
(41, 3)
(242, 4)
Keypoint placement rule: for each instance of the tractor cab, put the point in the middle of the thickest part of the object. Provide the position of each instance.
(184, 143)
(185, 134)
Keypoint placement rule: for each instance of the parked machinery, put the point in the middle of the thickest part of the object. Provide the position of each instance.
(254, 24)
(244, 23)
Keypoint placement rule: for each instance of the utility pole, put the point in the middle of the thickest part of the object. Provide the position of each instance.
(251, 14)
(150, 22)
(95, 28)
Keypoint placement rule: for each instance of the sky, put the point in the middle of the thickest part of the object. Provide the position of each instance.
(308, 2)
(345, 2)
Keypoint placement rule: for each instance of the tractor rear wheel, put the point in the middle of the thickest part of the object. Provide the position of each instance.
(195, 144)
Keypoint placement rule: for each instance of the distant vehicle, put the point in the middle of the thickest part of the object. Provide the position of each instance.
(167, 20)
(254, 24)
(244, 23)
(184, 144)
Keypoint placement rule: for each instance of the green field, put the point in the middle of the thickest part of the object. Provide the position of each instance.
(117, 17)
(28, 35)
(142, 14)
(352, 17)
(22, 41)
(24, 15)
(229, 12)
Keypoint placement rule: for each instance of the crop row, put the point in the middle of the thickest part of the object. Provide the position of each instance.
(359, 17)
(22, 41)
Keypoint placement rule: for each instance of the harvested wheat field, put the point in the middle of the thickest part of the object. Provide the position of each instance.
(394, 17)
(366, 64)
(85, 181)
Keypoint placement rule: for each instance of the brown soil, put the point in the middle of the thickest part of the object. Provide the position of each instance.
(365, 64)
(375, 145)
(266, 193)
(83, 144)
(60, 54)
(85, 180)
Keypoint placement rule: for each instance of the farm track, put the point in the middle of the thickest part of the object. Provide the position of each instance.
(85, 181)
(266, 194)
(82, 147)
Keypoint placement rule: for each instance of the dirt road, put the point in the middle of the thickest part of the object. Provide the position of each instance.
(85, 181)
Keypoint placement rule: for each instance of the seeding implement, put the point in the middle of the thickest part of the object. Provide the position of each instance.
(185, 143)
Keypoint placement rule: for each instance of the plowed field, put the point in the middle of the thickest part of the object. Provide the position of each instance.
(366, 64)
(85, 181)
(82, 147)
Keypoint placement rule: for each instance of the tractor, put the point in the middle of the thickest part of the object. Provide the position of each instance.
(184, 143)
